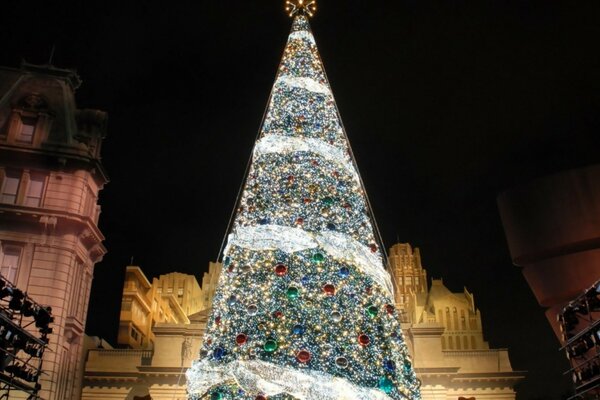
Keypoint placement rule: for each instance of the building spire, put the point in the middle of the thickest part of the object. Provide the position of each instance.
(306, 7)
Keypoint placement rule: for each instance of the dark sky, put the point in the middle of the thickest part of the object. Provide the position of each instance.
(446, 104)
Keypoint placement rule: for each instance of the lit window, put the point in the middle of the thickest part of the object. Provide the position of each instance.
(11, 255)
(170, 290)
(10, 187)
(159, 290)
(180, 292)
(27, 129)
(34, 191)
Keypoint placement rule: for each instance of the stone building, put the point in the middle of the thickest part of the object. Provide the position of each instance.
(50, 176)
(160, 332)
(443, 331)
(445, 336)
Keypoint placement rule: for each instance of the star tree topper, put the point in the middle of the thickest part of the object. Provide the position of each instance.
(307, 7)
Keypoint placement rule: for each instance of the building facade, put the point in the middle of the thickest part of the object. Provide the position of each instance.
(50, 177)
(444, 333)
(153, 357)
(442, 329)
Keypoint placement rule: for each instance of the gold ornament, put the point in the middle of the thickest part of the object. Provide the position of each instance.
(306, 7)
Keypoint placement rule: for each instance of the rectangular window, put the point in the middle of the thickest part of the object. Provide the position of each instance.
(180, 292)
(170, 290)
(27, 130)
(35, 189)
(11, 257)
(10, 187)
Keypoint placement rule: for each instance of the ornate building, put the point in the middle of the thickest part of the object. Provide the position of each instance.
(50, 176)
(160, 332)
(443, 330)
(445, 335)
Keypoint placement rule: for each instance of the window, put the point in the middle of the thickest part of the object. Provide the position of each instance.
(25, 134)
(11, 256)
(134, 334)
(170, 290)
(180, 292)
(10, 187)
(35, 190)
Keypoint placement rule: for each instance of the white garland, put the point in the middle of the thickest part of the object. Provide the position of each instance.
(302, 35)
(304, 83)
(277, 143)
(258, 376)
(290, 240)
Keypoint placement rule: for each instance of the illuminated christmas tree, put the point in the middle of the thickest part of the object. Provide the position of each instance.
(304, 307)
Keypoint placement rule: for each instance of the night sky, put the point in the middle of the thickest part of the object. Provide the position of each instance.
(446, 104)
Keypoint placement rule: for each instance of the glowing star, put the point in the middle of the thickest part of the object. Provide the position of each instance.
(308, 7)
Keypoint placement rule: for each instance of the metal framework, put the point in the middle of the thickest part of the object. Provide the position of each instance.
(580, 324)
(24, 329)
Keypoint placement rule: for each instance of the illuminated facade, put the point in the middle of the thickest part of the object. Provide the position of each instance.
(161, 327)
(50, 177)
(445, 335)
(443, 331)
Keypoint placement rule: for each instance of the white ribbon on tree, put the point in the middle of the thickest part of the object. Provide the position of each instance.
(290, 240)
(278, 143)
(256, 376)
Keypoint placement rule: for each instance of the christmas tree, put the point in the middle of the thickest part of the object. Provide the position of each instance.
(304, 307)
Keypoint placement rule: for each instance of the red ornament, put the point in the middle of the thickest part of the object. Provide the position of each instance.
(290, 178)
(369, 290)
(347, 206)
(329, 289)
(363, 339)
(303, 356)
(299, 221)
(230, 268)
(218, 320)
(260, 397)
(314, 162)
(241, 339)
(280, 269)
(278, 314)
(373, 247)
(389, 308)
(307, 200)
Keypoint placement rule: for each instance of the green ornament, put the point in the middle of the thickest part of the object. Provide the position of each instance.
(292, 293)
(216, 396)
(318, 258)
(270, 345)
(372, 311)
(386, 385)
(328, 201)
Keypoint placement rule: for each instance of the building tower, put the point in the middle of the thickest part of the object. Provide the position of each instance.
(50, 176)
(407, 273)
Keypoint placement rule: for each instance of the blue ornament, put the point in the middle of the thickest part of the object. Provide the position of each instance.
(389, 365)
(218, 353)
(263, 221)
(344, 272)
(232, 300)
(305, 280)
(298, 329)
(331, 226)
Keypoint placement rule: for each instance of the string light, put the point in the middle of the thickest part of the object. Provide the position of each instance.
(304, 306)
